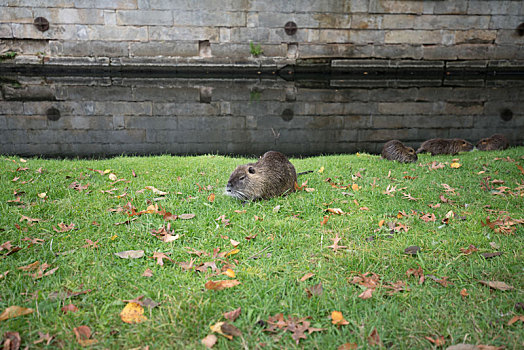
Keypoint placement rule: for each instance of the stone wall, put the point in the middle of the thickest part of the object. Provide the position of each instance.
(79, 116)
(120, 32)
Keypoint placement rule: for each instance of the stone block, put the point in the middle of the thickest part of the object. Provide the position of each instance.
(117, 33)
(110, 17)
(373, 135)
(209, 19)
(26, 122)
(445, 7)
(399, 51)
(123, 108)
(151, 122)
(165, 49)
(421, 121)
(435, 52)
(39, 3)
(475, 36)
(431, 22)
(399, 21)
(166, 94)
(5, 32)
(509, 37)
(246, 35)
(506, 21)
(81, 122)
(366, 21)
(396, 6)
(144, 17)
(106, 4)
(211, 123)
(29, 93)
(70, 16)
(185, 33)
(504, 7)
(16, 15)
(184, 108)
(268, 18)
(188, 5)
(413, 37)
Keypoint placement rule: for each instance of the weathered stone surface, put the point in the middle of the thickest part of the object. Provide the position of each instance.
(177, 49)
(143, 17)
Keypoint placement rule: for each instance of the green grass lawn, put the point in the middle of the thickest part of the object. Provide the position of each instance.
(292, 239)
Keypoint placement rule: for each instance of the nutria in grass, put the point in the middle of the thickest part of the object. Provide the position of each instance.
(273, 175)
(495, 142)
(395, 150)
(445, 146)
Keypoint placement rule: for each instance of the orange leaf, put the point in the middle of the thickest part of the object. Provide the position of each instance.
(211, 197)
(133, 313)
(326, 218)
(219, 285)
(83, 335)
(464, 293)
(338, 319)
(307, 276)
(355, 187)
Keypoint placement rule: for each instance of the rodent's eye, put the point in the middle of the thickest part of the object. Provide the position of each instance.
(464, 143)
(251, 170)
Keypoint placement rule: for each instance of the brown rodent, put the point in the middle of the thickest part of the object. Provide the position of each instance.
(273, 175)
(497, 141)
(445, 146)
(395, 150)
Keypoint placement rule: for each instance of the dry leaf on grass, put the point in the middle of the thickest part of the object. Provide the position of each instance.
(307, 276)
(130, 254)
(11, 341)
(133, 313)
(497, 285)
(232, 315)
(69, 308)
(337, 319)
(374, 338)
(14, 311)
(83, 336)
(219, 285)
(209, 341)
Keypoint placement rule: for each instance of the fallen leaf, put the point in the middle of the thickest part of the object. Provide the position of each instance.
(217, 328)
(186, 216)
(160, 257)
(64, 228)
(229, 329)
(306, 276)
(455, 165)
(439, 341)
(417, 273)
(234, 243)
(491, 255)
(374, 338)
(211, 197)
(368, 293)
(464, 293)
(232, 252)
(69, 308)
(315, 289)
(232, 315)
(321, 170)
(133, 313)
(83, 335)
(229, 273)
(112, 177)
(348, 346)
(516, 318)
(130, 254)
(44, 337)
(219, 285)
(148, 273)
(14, 311)
(412, 250)
(155, 191)
(338, 319)
(335, 245)
(30, 267)
(209, 341)
(497, 285)
(469, 250)
(324, 221)
(11, 341)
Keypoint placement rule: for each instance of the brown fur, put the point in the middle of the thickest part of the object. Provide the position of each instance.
(273, 175)
(445, 146)
(395, 150)
(495, 142)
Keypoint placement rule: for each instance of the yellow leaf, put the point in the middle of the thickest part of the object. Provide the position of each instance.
(217, 328)
(22, 160)
(455, 165)
(338, 319)
(380, 223)
(113, 237)
(42, 195)
(219, 285)
(232, 252)
(14, 311)
(211, 197)
(321, 170)
(355, 187)
(133, 313)
(112, 177)
(229, 273)
(358, 154)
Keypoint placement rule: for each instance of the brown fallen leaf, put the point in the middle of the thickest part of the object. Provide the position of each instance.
(64, 228)
(348, 346)
(83, 336)
(160, 257)
(417, 273)
(223, 284)
(211, 197)
(306, 276)
(130, 254)
(366, 294)
(491, 255)
(325, 220)
(209, 341)
(133, 313)
(44, 338)
(439, 341)
(464, 293)
(14, 311)
(11, 341)
(30, 267)
(315, 289)
(335, 245)
(148, 273)
(232, 315)
(497, 285)
(374, 338)
(69, 308)
(186, 216)
(516, 318)
(469, 250)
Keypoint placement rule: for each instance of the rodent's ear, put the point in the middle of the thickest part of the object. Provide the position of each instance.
(251, 170)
